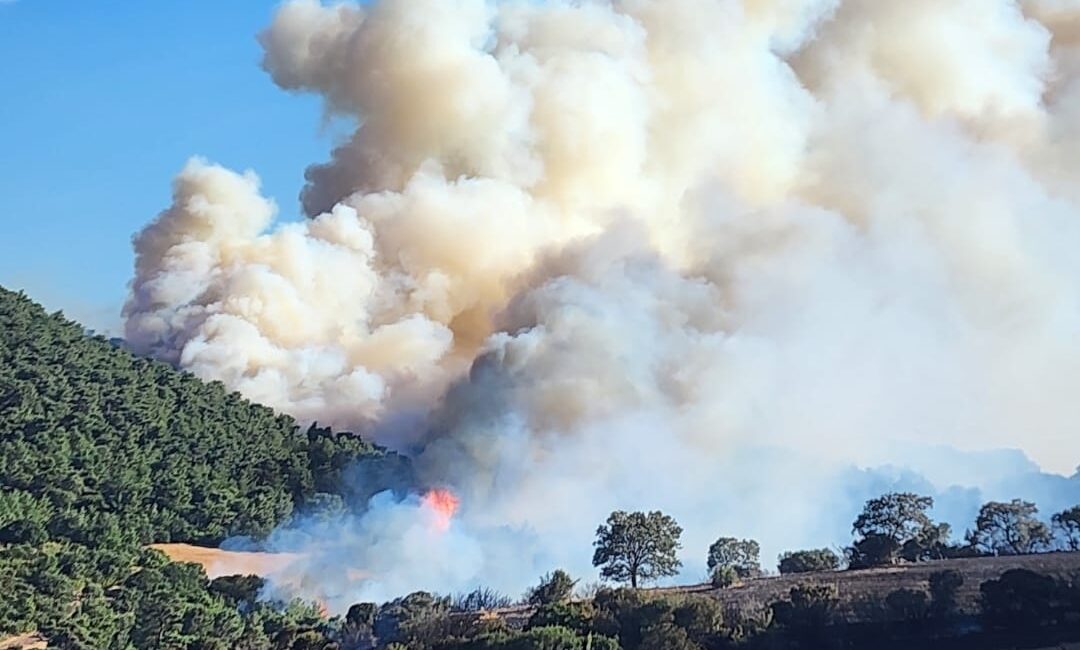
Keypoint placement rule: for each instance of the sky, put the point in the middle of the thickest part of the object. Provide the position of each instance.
(101, 103)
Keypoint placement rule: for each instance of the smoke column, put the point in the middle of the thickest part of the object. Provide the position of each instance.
(749, 262)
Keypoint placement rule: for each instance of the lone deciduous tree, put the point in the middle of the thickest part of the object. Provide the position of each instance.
(896, 524)
(1009, 529)
(898, 515)
(637, 546)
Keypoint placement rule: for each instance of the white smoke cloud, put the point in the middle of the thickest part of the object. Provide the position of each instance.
(709, 256)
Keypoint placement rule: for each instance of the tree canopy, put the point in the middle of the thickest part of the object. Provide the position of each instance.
(555, 587)
(636, 546)
(1009, 528)
(743, 556)
(819, 559)
(897, 525)
(103, 452)
(1067, 525)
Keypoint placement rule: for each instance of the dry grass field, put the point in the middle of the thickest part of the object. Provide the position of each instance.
(28, 641)
(217, 562)
(855, 587)
(875, 584)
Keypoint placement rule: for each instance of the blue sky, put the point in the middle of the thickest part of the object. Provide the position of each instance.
(101, 103)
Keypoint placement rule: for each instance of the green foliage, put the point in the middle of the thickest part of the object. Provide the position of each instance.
(172, 608)
(872, 551)
(743, 556)
(103, 452)
(667, 636)
(547, 638)
(575, 616)
(898, 515)
(627, 613)
(1067, 528)
(819, 559)
(417, 620)
(897, 525)
(105, 448)
(1009, 529)
(723, 577)
(930, 543)
(702, 618)
(637, 546)
(554, 587)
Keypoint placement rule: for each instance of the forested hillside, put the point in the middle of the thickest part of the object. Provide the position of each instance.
(102, 452)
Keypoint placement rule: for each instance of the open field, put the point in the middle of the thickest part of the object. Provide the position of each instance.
(855, 587)
(217, 562)
(28, 641)
(876, 584)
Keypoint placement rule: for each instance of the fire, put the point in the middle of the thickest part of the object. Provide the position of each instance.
(442, 503)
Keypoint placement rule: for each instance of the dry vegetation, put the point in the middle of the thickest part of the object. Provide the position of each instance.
(28, 641)
(854, 587)
(217, 562)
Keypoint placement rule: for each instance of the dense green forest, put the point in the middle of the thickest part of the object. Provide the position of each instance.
(104, 452)
(100, 444)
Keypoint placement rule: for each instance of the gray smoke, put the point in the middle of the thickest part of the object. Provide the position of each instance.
(749, 262)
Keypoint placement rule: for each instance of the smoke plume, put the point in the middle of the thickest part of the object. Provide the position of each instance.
(746, 261)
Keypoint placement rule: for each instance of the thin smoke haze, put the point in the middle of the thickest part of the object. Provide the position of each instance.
(748, 262)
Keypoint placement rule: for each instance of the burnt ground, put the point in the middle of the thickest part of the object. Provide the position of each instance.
(868, 585)
(853, 587)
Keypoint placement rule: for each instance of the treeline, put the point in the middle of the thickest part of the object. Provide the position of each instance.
(897, 527)
(103, 452)
(1019, 609)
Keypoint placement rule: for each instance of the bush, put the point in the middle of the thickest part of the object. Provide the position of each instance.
(907, 605)
(944, 586)
(546, 638)
(1024, 600)
(628, 614)
(808, 606)
(480, 599)
(554, 587)
(702, 618)
(873, 551)
(723, 577)
(667, 636)
(417, 619)
(575, 616)
(821, 559)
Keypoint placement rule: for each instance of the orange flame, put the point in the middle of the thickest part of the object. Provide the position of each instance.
(443, 504)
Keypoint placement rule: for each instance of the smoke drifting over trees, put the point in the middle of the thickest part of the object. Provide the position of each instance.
(725, 259)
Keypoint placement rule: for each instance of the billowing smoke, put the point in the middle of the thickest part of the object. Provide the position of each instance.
(746, 261)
